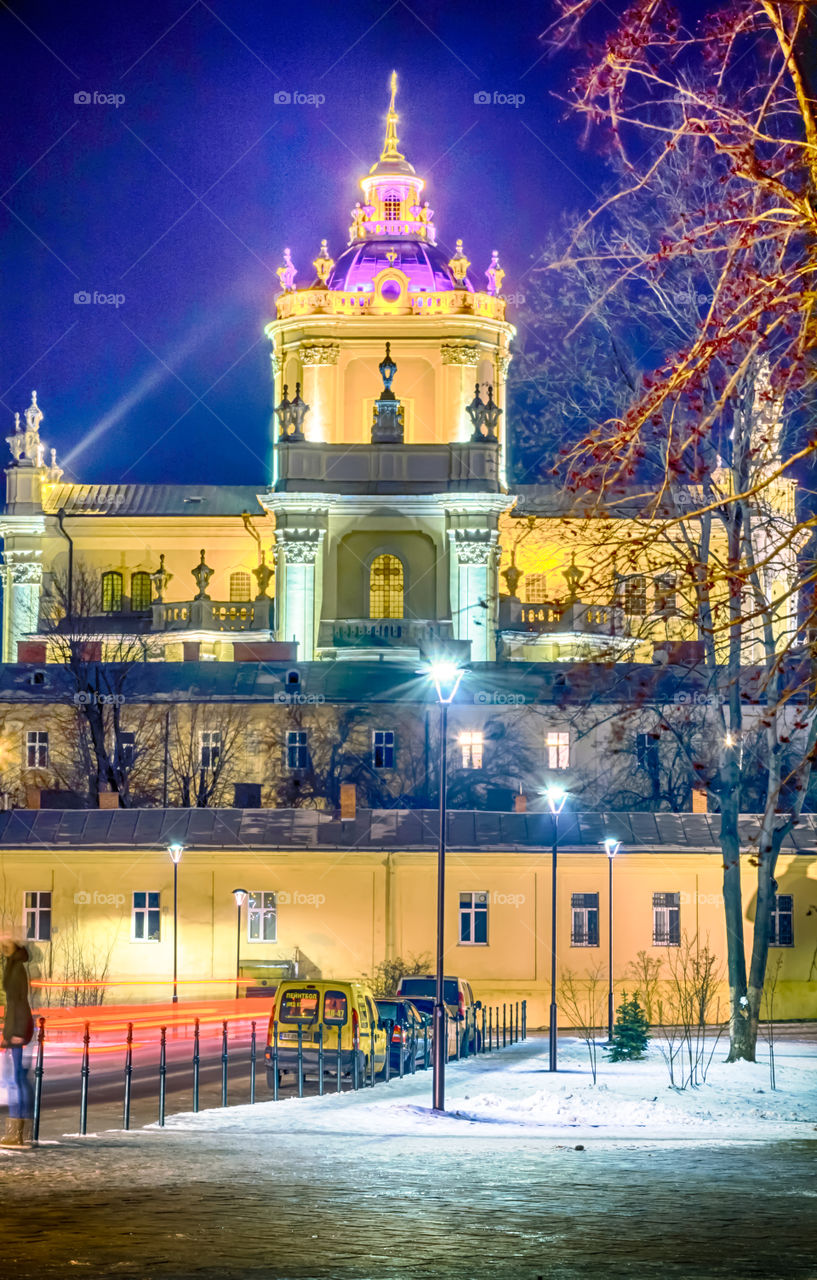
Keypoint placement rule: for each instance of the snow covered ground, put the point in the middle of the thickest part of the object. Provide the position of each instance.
(512, 1093)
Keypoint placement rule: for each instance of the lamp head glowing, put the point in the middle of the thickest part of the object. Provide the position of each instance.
(446, 677)
(175, 851)
(611, 846)
(240, 896)
(555, 796)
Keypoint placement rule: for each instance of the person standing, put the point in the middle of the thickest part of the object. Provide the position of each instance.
(18, 1031)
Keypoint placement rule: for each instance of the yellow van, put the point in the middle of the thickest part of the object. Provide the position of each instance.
(346, 1016)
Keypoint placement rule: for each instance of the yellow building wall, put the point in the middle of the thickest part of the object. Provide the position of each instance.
(342, 913)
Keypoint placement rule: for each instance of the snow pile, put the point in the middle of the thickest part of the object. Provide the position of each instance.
(513, 1093)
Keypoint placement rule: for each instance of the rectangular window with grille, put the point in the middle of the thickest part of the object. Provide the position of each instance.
(635, 594)
(297, 754)
(262, 917)
(471, 745)
(127, 747)
(557, 749)
(146, 917)
(383, 748)
(209, 748)
(584, 920)
(664, 595)
(474, 919)
(391, 208)
(536, 586)
(240, 587)
(666, 919)
(781, 924)
(37, 749)
(37, 916)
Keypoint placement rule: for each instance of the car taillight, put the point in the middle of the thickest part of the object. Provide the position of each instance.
(355, 1029)
(398, 1036)
(462, 1005)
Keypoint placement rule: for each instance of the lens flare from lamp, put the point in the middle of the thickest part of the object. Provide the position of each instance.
(556, 797)
(175, 851)
(446, 677)
(611, 846)
(240, 896)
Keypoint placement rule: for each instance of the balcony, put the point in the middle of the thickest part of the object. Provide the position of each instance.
(337, 302)
(383, 634)
(366, 468)
(568, 631)
(214, 615)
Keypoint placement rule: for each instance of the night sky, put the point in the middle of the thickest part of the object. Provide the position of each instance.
(183, 197)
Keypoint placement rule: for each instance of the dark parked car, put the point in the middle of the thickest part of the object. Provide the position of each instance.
(459, 998)
(407, 1038)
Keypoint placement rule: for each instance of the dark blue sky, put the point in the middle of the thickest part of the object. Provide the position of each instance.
(183, 196)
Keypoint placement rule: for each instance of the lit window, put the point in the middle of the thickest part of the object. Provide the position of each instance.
(557, 749)
(262, 917)
(474, 919)
(209, 748)
(386, 588)
(471, 745)
(239, 587)
(37, 749)
(146, 917)
(781, 924)
(584, 921)
(536, 588)
(383, 748)
(37, 917)
(112, 592)
(666, 919)
(635, 594)
(391, 208)
(297, 754)
(140, 591)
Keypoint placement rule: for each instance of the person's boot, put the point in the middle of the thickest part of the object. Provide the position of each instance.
(14, 1134)
(28, 1133)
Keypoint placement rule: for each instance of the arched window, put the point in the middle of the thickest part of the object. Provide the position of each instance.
(391, 207)
(112, 592)
(239, 586)
(140, 591)
(386, 588)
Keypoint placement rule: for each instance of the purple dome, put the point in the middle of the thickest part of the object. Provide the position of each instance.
(425, 265)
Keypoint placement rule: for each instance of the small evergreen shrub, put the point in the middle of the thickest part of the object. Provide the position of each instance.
(631, 1033)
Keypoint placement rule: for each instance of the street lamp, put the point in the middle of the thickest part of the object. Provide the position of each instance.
(446, 677)
(175, 851)
(240, 896)
(556, 797)
(611, 848)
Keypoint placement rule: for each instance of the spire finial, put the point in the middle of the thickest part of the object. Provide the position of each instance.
(390, 149)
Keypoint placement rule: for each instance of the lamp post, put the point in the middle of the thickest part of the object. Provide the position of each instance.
(611, 848)
(446, 677)
(240, 896)
(175, 851)
(556, 797)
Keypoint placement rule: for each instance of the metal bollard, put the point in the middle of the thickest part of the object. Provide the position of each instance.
(85, 1071)
(524, 1019)
(38, 1081)
(320, 1060)
(275, 1061)
(224, 1052)
(371, 1054)
(252, 1062)
(162, 1073)
(457, 1037)
(355, 1065)
(196, 1062)
(389, 1025)
(516, 1023)
(504, 1042)
(340, 1061)
(425, 1044)
(482, 1042)
(128, 1076)
(497, 1026)
(413, 1055)
(490, 1030)
(300, 1060)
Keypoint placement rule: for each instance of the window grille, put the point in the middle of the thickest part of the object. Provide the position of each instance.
(112, 592)
(584, 924)
(240, 587)
(141, 592)
(37, 749)
(37, 917)
(781, 923)
(471, 745)
(383, 748)
(557, 749)
(262, 917)
(666, 919)
(297, 749)
(386, 588)
(146, 918)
